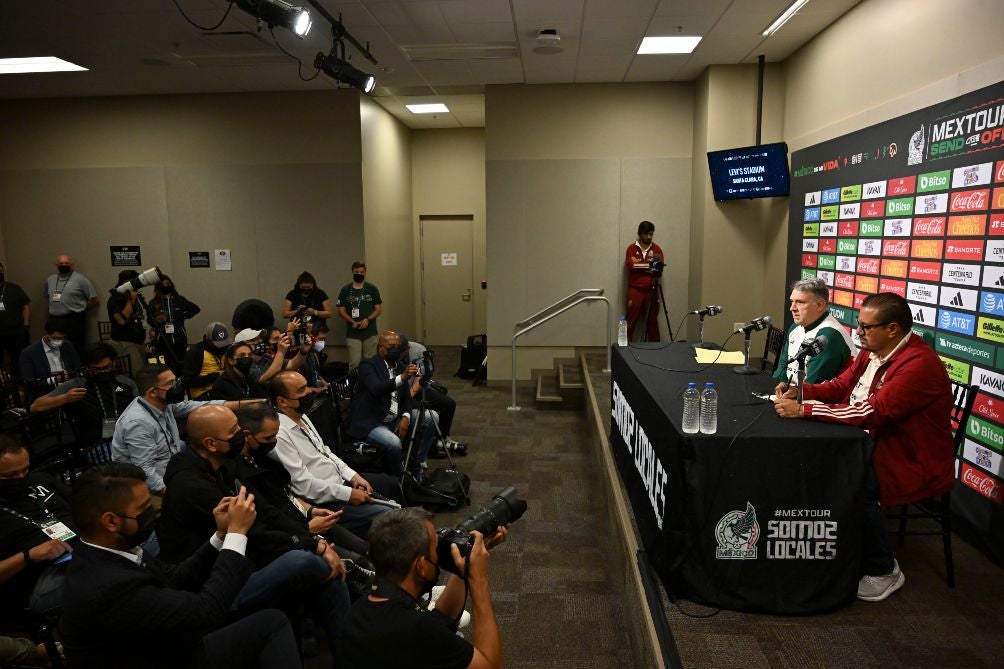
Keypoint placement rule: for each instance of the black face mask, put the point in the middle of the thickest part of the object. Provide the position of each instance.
(243, 365)
(305, 403)
(64, 269)
(12, 489)
(175, 393)
(306, 292)
(147, 521)
(236, 445)
(261, 348)
(428, 585)
(264, 448)
(358, 278)
(393, 354)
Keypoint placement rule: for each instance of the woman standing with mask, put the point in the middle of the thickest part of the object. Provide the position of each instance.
(305, 295)
(168, 313)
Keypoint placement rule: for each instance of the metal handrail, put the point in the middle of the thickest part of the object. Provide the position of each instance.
(546, 314)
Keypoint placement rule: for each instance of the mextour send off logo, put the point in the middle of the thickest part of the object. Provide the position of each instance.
(737, 533)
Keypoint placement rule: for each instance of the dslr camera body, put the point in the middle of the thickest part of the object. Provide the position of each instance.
(504, 508)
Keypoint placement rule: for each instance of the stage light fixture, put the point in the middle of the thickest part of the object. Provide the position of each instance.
(278, 13)
(339, 69)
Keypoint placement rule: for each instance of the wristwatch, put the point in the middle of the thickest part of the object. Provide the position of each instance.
(320, 539)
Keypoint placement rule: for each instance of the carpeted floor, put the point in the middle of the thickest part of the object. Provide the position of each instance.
(925, 624)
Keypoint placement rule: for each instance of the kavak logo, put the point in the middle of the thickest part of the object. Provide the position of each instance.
(901, 186)
(923, 315)
(897, 268)
(933, 181)
(891, 286)
(845, 263)
(811, 214)
(899, 207)
(992, 303)
(925, 271)
(966, 275)
(868, 265)
(897, 227)
(970, 200)
(993, 277)
(984, 484)
(848, 229)
(828, 245)
(959, 298)
(989, 381)
(850, 193)
(866, 284)
(896, 248)
(737, 533)
(926, 248)
(929, 227)
(831, 196)
(955, 321)
(922, 292)
(873, 209)
(876, 189)
(844, 281)
(869, 247)
(828, 229)
(827, 277)
(851, 210)
(931, 204)
(964, 249)
(812, 199)
(996, 225)
(871, 228)
(972, 225)
(972, 175)
(811, 245)
(995, 250)
(988, 407)
(802, 534)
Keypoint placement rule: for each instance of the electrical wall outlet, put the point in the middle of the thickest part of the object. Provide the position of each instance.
(737, 326)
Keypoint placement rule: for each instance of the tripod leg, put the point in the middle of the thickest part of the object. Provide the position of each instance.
(665, 312)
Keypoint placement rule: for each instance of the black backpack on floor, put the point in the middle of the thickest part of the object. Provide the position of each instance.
(441, 489)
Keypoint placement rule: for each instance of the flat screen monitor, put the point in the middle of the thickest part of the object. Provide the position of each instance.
(749, 172)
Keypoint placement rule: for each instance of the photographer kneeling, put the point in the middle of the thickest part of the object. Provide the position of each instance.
(392, 628)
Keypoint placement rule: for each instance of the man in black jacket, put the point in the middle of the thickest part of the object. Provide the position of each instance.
(45, 363)
(294, 567)
(124, 609)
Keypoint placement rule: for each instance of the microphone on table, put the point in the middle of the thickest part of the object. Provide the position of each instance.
(756, 324)
(810, 347)
(710, 310)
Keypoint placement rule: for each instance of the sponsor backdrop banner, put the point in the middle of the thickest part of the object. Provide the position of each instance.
(915, 206)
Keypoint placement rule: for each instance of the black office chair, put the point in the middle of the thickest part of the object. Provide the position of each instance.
(940, 509)
(772, 349)
(104, 331)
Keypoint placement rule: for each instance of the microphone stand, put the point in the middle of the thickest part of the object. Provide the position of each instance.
(745, 368)
(801, 379)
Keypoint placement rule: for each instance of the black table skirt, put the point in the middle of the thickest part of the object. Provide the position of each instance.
(763, 515)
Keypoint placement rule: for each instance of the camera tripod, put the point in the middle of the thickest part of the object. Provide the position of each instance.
(409, 473)
(665, 310)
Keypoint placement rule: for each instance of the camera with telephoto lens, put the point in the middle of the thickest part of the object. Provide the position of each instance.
(504, 508)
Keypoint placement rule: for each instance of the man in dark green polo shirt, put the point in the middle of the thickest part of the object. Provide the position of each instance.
(359, 305)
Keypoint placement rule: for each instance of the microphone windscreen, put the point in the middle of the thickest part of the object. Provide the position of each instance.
(767, 320)
(823, 341)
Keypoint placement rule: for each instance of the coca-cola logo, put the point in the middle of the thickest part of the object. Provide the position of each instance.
(896, 248)
(929, 227)
(972, 200)
(844, 281)
(983, 484)
(868, 265)
(999, 172)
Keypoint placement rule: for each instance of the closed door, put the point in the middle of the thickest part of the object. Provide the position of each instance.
(447, 279)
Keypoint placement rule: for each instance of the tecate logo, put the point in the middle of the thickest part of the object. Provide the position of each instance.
(982, 483)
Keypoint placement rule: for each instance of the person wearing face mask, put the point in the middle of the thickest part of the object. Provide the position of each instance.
(93, 400)
(271, 356)
(358, 305)
(280, 545)
(15, 319)
(161, 614)
(307, 300)
(125, 316)
(392, 626)
(146, 433)
(204, 361)
(235, 383)
(70, 296)
(46, 362)
(166, 317)
(315, 357)
(36, 530)
(383, 405)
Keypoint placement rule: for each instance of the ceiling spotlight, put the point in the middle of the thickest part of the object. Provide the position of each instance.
(278, 13)
(548, 41)
(339, 69)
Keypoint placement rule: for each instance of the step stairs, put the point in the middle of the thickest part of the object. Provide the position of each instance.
(560, 387)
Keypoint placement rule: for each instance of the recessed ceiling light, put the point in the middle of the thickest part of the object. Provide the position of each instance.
(435, 108)
(674, 44)
(37, 64)
(785, 15)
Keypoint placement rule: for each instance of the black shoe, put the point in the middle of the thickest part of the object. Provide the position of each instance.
(456, 447)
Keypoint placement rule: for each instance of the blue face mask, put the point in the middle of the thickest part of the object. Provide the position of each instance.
(319, 345)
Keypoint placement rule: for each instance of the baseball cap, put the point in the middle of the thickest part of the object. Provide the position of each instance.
(247, 334)
(218, 334)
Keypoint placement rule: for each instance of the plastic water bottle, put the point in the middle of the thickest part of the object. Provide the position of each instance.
(691, 409)
(622, 339)
(709, 409)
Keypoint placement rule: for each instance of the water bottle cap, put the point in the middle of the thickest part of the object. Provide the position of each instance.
(709, 384)
(623, 317)
(692, 384)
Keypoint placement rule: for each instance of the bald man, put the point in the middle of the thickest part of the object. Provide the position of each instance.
(70, 296)
(288, 557)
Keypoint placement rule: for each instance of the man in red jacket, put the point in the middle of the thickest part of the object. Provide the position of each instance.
(901, 394)
(643, 281)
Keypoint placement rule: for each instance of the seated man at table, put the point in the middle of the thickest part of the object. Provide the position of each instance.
(810, 311)
(899, 392)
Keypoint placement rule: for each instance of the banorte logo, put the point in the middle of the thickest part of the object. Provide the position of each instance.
(982, 483)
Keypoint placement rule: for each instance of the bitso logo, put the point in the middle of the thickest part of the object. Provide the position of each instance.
(737, 533)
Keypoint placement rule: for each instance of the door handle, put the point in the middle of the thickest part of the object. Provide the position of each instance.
(466, 295)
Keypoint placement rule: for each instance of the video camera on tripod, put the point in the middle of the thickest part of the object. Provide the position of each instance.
(657, 265)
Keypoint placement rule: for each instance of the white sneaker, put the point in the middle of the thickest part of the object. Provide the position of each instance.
(877, 588)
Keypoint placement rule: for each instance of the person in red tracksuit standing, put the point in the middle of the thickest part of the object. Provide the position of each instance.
(642, 291)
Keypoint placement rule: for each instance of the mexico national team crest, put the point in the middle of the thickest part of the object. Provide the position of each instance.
(737, 533)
